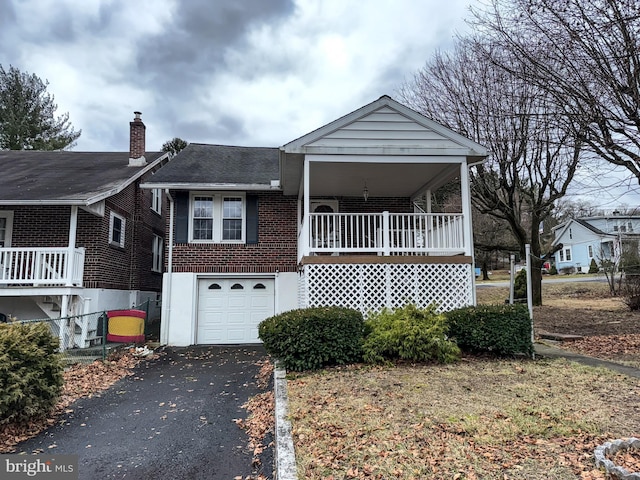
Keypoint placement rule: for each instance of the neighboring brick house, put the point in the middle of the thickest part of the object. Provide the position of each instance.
(77, 234)
(340, 216)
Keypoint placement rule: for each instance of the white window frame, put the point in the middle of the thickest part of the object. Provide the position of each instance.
(8, 231)
(123, 230)
(217, 233)
(560, 255)
(568, 254)
(156, 200)
(157, 249)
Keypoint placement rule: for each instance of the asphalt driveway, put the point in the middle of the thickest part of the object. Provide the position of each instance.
(172, 419)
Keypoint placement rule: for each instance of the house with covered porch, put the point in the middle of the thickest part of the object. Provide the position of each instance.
(339, 216)
(78, 235)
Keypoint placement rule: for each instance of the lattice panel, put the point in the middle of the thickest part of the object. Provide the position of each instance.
(370, 287)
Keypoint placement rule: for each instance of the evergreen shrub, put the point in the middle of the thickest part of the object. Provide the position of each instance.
(504, 330)
(30, 371)
(408, 333)
(311, 338)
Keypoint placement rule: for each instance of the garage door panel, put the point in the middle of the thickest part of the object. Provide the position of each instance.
(229, 310)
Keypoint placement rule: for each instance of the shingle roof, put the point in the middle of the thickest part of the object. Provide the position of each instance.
(589, 226)
(220, 164)
(64, 177)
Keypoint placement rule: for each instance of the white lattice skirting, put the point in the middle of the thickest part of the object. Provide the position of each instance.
(371, 287)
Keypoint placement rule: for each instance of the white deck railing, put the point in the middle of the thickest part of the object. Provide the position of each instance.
(41, 266)
(385, 233)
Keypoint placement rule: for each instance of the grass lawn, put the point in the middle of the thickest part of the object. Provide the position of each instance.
(477, 419)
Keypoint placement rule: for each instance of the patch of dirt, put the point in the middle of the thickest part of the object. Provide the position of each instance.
(586, 318)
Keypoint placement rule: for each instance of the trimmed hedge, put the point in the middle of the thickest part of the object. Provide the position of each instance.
(30, 371)
(408, 333)
(501, 329)
(311, 338)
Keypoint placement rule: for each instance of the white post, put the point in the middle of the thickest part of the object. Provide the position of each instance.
(386, 234)
(73, 227)
(62, 323)
(529, 287)
(306, 208)
(465, 190)
(512, 274)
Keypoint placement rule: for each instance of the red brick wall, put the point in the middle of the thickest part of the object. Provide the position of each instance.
(39, 226)
(276, 248)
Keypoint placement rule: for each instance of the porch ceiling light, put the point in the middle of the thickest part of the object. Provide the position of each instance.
(365, 192)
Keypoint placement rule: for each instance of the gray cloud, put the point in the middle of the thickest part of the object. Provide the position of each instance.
(200, 35)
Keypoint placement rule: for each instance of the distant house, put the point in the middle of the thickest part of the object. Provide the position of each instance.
(598, 238)
(77, 234)
(334, 217)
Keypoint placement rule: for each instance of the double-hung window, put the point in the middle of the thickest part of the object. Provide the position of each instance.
(156, 200)
(202, 218)
(232, 218)
(217, 218)
(117, 225)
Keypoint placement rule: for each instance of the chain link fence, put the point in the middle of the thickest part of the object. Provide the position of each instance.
(83, 338)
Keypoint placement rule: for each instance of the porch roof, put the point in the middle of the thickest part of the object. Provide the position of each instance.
(66, 178)
(395, 150)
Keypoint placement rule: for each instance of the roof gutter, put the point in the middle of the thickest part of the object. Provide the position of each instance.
(213, 186)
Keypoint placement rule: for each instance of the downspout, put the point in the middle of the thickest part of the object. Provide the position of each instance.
(166, 304)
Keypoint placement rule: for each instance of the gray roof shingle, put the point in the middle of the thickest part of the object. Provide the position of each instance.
(220, 164)
(63, 176)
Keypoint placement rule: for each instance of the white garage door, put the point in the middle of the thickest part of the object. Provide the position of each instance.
(230, 309)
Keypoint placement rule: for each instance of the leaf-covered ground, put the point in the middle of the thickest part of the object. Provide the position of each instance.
(480, 418)
(80, 380)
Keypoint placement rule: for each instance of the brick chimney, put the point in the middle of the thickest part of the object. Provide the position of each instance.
(137, 142)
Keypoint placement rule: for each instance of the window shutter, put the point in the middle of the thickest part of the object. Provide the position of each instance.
(252, 219)
(182, 217)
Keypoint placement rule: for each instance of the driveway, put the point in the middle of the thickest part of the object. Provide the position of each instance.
(172, 419)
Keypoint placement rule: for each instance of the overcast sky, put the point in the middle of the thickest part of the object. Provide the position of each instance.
(238, 72)
(235, 72)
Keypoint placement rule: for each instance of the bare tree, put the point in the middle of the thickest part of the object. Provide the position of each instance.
(584, 55)
(533, 156)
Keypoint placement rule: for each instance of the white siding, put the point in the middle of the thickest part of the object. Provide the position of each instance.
(384, 127)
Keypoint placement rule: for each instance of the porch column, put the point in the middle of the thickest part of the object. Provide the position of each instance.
(466, 208)
(304, 237)
(73, 226)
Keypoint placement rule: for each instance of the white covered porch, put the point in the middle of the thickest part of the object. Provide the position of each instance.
(370, 235)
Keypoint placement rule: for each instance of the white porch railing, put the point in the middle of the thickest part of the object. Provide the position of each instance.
(41, 266)
(385, 233)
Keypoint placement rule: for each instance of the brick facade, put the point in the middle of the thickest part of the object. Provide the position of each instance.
(276, 249)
